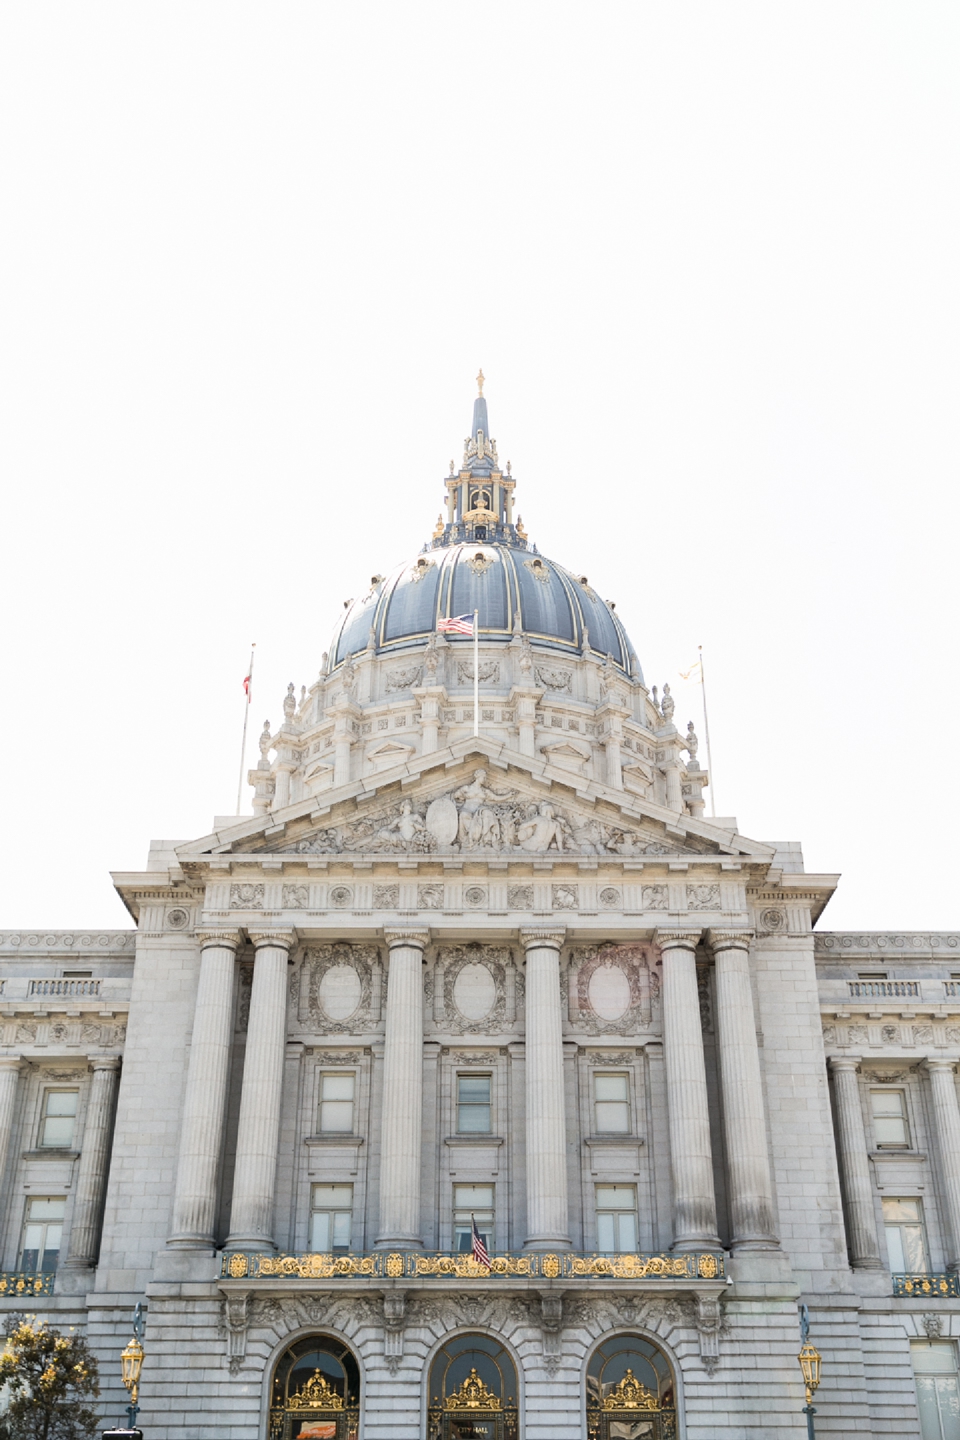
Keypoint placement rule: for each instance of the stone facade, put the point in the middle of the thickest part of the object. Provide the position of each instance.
(514, 981)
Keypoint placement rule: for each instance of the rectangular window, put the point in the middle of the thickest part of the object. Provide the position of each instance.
(611, 1104)
(906, 1243)
(472, 1202)
(938, 1393)
(616, 1219)
(336, 1102)
(473, 1104)
(42, 1229)
(331, 1215)
(889, 1119)
(59, 1118)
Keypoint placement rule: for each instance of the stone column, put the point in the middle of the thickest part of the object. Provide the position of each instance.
(205, 1100)
(548, 1224)
(748, 1160)
(9, 1079)
(946, 1119)
(691, 1157)
(94, 1165)
(401, 1134)
(258, 1133)
(854, 1166)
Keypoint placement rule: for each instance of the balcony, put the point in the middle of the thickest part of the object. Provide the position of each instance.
(926, 1287)
(884, 989)
(450, 1265)
(63, 989)
(26, 1282)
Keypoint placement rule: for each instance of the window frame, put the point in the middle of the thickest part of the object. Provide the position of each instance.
(332, 1210)
(487, 1228)
(458, 1103)
(616, 1211)
(905, 1144)
(918, 1344)
(626, 1077)
(338, 1073)
(47, 1092)
(920, 1224)
(45, 1223)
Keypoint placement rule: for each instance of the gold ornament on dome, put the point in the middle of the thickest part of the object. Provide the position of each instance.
(315, 1394)
(630, 1394)
(472, 1395)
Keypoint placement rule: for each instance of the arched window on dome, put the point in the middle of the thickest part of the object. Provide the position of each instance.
(631, 1394)
(315, 1393)
(473, 1391)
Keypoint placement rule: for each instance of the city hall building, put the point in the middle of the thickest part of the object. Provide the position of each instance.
(477, 1086)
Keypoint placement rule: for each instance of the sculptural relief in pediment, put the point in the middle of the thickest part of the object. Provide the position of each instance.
(480, 817)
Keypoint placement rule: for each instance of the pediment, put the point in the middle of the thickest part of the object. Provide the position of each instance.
(481, 801)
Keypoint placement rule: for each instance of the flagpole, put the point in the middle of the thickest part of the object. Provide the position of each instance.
(246, 716)
(476, 674)
(706, 729)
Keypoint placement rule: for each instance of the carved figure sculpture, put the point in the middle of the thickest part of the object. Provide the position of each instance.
(479, 823)
(667, 705)
(691, 744)
(265, 746)
(289, 702)
(403, 829)
(541, 830)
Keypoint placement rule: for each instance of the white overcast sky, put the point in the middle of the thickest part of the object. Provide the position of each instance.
(253, 256)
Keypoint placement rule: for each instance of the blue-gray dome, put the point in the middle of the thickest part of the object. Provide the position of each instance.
(514, 589)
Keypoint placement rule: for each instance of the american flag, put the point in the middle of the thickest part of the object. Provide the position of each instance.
(456, 625)
(479, 1249)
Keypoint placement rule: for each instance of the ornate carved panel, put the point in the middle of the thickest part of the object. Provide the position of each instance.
(336, 987)
(474, 987)
(614, 988)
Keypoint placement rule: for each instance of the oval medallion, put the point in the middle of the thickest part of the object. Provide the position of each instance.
(474, 992)
(339, 991)
(442, 821)
(609, 992)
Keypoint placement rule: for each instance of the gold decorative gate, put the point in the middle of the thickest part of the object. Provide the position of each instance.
(473, 1388)
(315, 1393)
(623, 1404)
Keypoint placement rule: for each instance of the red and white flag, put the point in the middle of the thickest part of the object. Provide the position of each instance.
(456, 625)
(479, 1248)
(247, 687)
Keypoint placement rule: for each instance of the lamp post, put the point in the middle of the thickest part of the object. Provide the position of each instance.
(131, 1363)
(810, 1362)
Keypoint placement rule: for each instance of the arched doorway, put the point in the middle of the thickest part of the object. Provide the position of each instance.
(316, 1392)
(630, 1391)
(473, 1391)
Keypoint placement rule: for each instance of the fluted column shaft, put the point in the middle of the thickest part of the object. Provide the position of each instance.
(548, 1225)
(9, 1079)
(750, 1186)
(402, 1126)
(946, 1113)
(94, 1164)
(854, 1166)
(205, 1101)
(688, 1116)
(258, 1133)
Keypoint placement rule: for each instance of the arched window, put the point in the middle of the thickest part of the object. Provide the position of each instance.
(473, 1391)
(630, 1392)
(316, 1392)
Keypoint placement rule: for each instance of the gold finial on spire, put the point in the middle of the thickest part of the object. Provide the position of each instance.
(480, 382)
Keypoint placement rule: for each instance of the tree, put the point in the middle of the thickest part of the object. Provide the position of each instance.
(49, 1377)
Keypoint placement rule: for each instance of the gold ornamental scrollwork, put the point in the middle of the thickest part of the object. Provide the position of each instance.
(472, 1395)
(315, 1394)
(464, 1267)
(237, 1267)
(708, 1267)
(317, 1267)
(632, 1267)
(630, 1394)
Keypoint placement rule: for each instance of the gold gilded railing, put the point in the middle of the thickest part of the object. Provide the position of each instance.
(26, 1282)
(396, 1265)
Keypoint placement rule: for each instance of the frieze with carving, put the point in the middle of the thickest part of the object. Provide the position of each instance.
(479, 816)
(336, 987)
(615, 988)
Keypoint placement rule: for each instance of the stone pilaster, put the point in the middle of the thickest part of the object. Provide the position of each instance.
(201, 1132)
(9, 1080)
(750, 1186)
(94, 1164)
(946, 1119)
(548, 1224)
(400, 1143)
(854, 1166)
(258, 1133)
(691, 1156)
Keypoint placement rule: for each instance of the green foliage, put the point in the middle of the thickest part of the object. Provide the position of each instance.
(49, 1377)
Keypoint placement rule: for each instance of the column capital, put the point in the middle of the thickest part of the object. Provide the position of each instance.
(729, 940)
(279, 939)
(678, 939)
(546, 937)
(939, 1062)
(103, 1062)
(415, 937)
(225, 939)
(10, 1062)
(848, 1063)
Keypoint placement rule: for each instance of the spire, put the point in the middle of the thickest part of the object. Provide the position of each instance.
(480, 411)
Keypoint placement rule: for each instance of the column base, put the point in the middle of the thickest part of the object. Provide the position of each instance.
(204, 1243)
(253, 1244)
(697, 1242)
(398, 1242)
(548, 1242)
(754, 1242)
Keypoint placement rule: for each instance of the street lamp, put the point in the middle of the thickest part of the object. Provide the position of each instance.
(810, 1362)
(131, 1363)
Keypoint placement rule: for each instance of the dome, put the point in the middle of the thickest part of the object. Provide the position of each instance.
(514, 590)
(479, 559)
